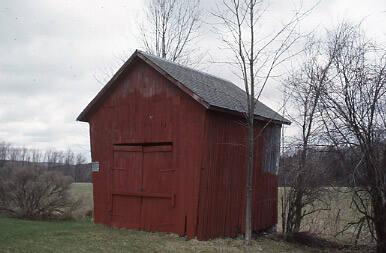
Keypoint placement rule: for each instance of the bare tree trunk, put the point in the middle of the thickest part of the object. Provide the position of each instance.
(163, 41)
(379, 205)
(251, 129)
(255, 59)
(298, 212)
(249, 181)
(298, 203)
(380, 223)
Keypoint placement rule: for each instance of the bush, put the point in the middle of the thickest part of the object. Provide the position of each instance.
(35, 193)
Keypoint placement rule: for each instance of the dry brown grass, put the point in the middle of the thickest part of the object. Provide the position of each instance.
(329, 224)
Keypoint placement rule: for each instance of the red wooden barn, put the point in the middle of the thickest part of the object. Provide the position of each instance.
(171, 150)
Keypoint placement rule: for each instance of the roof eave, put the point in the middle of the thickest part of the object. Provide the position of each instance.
(240, 114)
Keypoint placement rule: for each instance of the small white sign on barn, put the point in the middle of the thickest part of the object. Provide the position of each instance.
(95, 166)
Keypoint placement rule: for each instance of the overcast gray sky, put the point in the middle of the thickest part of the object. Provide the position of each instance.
(56, 54)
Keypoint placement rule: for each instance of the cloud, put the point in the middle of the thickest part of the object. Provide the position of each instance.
(51, 52)
(55, 56)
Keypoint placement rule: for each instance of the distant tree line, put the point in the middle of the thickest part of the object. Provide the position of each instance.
(331, 166)
(68, 162)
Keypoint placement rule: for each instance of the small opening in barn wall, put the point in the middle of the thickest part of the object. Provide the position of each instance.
(271, 152)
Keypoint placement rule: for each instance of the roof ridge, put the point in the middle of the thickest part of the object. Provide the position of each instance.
(186, 67)
(272, 112)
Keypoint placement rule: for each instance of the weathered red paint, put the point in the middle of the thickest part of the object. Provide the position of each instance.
(169, 164)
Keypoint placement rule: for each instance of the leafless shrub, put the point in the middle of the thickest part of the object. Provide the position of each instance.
(35, 193)
(305, 193)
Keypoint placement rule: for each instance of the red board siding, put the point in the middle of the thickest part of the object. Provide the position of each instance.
(145, 109)
(222, 185)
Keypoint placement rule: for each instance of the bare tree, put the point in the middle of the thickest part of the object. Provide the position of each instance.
(354, 115)
(69, 157)
(36, 156)
(80, 159)
(80, 172)
(170, 28)
(256, 58)
(305, 87)
(4, 152)
(53, 157)
(14, 154)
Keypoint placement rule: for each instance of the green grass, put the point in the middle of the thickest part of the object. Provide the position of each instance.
(83, 235)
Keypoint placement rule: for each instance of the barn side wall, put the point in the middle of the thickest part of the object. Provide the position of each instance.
(222, 181)
(145, 107)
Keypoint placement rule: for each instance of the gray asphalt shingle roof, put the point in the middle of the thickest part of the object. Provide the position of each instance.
(216, 93)
(213, 90)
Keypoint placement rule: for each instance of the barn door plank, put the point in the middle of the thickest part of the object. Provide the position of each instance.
(158, 179)
(126, 177)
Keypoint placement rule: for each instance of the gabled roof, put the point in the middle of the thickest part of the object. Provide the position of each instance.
(212, 92)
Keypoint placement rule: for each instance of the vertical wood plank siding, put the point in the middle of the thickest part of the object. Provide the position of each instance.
(207, 155)
(146, 108)
(222, 185)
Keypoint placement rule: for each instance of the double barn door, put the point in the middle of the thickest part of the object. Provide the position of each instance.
(143, 194)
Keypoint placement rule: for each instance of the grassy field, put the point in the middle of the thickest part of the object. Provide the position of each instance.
(83, 192)
(83, 236)
(329, 223)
